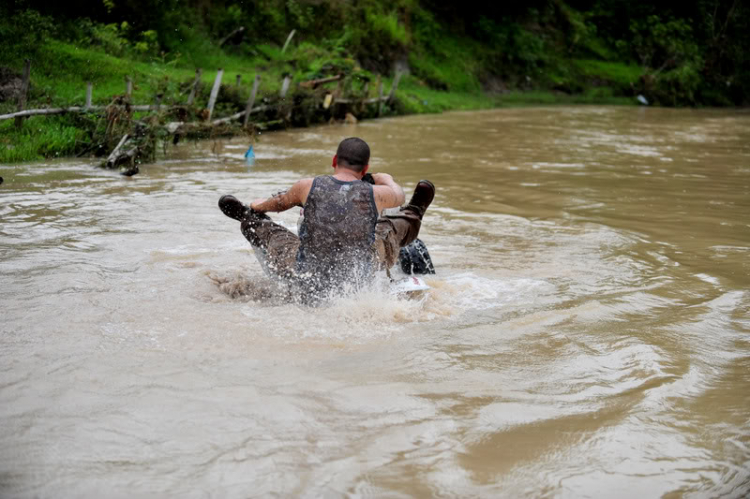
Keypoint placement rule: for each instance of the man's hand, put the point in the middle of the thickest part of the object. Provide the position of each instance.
(382, 179)
(256, 204)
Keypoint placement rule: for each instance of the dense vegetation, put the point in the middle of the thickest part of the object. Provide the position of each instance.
(466, 54)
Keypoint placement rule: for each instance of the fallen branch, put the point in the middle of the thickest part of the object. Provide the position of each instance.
(373, 100)
(315, 83)
(63, 110)
(173, 126)
(230, 35)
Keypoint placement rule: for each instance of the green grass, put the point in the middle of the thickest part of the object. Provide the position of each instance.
(449, 62)
(38, 139)
(416, 97)
(60, 72)
(602, 96)
(615, 72)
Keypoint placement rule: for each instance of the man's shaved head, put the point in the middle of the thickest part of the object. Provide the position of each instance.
(354, 153)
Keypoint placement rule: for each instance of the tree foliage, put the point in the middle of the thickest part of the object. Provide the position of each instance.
(689, 52)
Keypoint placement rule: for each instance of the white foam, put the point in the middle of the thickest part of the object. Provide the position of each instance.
(375, 312)
(538, 165)
(707, 278)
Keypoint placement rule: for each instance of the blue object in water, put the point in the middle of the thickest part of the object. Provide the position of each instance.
(250, 157)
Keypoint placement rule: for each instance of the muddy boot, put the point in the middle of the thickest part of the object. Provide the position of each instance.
(251, 219)
(233, 207)
(407, 222)
(423, 195)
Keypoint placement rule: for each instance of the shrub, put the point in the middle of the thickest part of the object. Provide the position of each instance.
(22, 33)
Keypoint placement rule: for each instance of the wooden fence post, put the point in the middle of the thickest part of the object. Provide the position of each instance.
(251, 100)
(380, 95)
(128, 87)
(157, 102)
(195, 86)
(214, 93)
(237, 82)
(24, 91)
(89, 92)
(339, 92)
(285, 86)
(366, 94)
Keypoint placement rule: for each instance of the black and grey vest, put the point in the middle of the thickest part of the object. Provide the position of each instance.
(337, 234)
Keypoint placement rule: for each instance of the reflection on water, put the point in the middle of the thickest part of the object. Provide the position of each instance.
(586, 334)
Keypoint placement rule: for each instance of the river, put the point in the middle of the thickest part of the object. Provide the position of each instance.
(587, 333)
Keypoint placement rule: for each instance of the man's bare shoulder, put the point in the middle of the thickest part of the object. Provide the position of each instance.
(305, 182)
(301, 189)
(303, 185)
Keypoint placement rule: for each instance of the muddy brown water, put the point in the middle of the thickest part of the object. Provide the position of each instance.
(587, 333)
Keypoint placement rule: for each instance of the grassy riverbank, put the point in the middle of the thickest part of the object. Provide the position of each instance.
(472, 56)
(60, 72)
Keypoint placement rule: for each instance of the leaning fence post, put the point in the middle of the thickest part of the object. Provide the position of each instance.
(128, 87)
(380, 95)
(214, 93)
(89, 91)
(24, 91)
(251, 100)
(285, 86)
(288, 39)
(195, 86)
